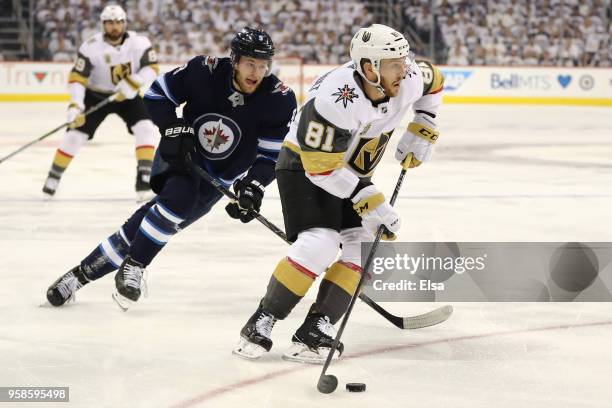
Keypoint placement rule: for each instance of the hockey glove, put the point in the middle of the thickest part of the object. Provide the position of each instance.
(177, 146)
(416, 145)
(75, 116)
(249, 194)
(128, 87)
(375, 211)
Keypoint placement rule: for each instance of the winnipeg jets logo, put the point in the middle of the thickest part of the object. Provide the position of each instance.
(218, 135)
(345, 94)
(236, 99)
(210, 62)
(215, 137)
(280, 87)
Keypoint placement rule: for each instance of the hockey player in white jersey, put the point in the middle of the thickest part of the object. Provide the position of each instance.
(112, 61)
(323, 173)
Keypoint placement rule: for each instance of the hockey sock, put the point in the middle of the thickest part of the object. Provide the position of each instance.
(106, 257)
(144, 155)
(288, 285)
(61, 160)
(155, 223)
(337, 288)
(70, 144)
(144, 137)
(156, 229)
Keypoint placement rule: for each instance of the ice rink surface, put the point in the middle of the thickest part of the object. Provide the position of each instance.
(500, 173)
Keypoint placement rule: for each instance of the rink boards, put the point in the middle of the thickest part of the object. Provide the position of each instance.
(46, 81)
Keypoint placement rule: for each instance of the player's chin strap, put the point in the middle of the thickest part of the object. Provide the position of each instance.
(94, 108)
(376, 84)
(409, 322)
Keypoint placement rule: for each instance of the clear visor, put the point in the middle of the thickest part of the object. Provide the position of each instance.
(410, 59)
(397, 65)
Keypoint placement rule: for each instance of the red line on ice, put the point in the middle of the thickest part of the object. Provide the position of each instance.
(215, 392)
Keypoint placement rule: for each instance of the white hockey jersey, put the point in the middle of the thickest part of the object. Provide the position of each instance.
(339, 126)
(100, 66)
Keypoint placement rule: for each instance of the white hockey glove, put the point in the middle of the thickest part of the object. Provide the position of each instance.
(75, 115)
(375, 211)
(416, 145)
(128, 87)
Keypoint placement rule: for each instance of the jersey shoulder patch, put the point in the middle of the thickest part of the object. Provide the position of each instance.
(339, 88)
(338, 97)
(345, 95)
(279, 87)
(433, 80)
(331, 107)
(209, 62)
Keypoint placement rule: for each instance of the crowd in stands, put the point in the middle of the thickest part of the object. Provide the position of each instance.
(565, 33)
(479, 32)
(318, 31)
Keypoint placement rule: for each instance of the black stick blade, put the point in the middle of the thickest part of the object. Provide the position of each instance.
(327, 384)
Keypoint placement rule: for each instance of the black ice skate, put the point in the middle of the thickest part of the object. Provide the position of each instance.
(66, 286)
(51, 184)
(313, 340)
(128, 279)
(255, 335)
(143, 188)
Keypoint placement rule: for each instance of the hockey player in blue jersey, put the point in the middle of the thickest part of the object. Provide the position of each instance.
(235, 116)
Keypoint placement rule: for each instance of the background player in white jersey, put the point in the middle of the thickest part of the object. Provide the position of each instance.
(323, 173)
(113, 61)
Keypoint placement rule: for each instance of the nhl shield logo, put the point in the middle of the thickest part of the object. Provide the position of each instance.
(218, 135)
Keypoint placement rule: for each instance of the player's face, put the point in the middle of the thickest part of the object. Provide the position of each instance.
(392, 71)
(250, 72)
(114, 29)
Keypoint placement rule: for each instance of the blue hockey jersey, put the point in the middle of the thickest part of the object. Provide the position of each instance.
(235, 133)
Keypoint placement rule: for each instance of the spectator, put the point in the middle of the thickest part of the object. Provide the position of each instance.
(302, 28)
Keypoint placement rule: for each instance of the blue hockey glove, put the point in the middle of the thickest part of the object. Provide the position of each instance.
(176, 147)
(249, 194)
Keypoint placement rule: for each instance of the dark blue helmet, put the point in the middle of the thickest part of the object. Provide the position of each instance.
(250, 42)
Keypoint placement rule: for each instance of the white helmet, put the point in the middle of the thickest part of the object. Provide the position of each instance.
(113, 12)
(375, 43)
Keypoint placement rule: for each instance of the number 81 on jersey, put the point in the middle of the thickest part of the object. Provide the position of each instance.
(315, 133)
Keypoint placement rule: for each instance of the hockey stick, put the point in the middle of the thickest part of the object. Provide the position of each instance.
(63, 125)
(328, 382)
(409, 322)
(431, 318)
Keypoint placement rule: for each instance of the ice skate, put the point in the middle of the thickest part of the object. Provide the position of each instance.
(50, 186)
(63, 289)
(143, 188)
(313, 340)
(255, 338)
(128, 281)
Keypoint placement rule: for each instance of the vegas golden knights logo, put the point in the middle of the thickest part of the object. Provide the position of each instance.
(120, 71)
(368, 153)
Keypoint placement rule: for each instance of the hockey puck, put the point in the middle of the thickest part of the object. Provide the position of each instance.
(356, 387)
